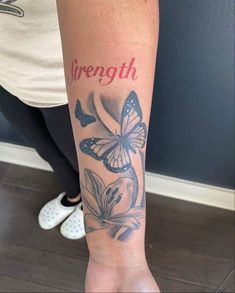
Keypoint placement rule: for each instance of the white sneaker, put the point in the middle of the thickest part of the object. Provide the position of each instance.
(53, 213)
(73, 227)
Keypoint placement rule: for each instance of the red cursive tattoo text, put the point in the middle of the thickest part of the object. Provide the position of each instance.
(106, 75)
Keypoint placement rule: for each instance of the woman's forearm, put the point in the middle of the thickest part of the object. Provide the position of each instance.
(109, 50)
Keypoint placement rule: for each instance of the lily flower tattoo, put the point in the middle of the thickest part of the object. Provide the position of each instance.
(110, 205)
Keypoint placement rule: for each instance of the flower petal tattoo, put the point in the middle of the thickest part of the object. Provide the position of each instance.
(110, 205)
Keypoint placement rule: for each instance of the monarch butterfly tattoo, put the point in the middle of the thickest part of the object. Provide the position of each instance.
(115, 149)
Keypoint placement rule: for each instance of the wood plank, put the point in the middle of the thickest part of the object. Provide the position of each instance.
(8, 284)
(33, 179)
(42, 267)
(186, 266)
(188, 241)
(188, 246)
(164, 259)
(174, 227)
(229, 283)
(200, 229)
(171, 285)
(3, 168)
(22, 206)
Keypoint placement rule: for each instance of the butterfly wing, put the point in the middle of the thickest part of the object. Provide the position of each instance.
(78, 111)
(137, 136)
(97, 148)
(131, 114)
(89, 119)
(84, 119)
(110, 151)
(117, 159)
(132, 126)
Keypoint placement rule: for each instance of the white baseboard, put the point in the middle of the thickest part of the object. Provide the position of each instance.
(155, 183)
(24, 156)
(190, 191)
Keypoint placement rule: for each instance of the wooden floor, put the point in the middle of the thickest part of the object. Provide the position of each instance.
(189, 247)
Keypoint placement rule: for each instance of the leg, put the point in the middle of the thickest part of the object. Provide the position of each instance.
(59, 126)
(30, 125)
(109, 57)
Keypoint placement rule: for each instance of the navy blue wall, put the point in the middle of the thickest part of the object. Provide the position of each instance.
(192, 126)
(7, 134)
(192, 129)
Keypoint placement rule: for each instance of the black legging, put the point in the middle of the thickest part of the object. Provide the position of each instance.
(49, 131)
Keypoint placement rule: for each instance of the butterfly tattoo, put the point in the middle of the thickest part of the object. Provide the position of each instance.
(115, 150)
(84, 119)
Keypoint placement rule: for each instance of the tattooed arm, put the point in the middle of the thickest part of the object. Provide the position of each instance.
(109, 52)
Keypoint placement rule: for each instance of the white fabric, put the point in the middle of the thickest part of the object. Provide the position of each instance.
(31, 63)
